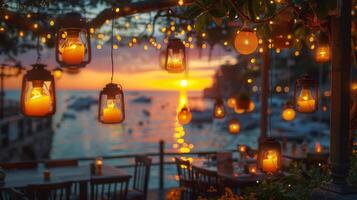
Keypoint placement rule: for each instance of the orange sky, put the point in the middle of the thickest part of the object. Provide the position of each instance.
(135, 69)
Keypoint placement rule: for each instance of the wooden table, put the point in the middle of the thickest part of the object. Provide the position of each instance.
(77, 174)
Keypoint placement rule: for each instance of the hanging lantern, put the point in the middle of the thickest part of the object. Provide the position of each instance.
(218, 111)
(111, 104)
(306, 101)
(269, 156)
(38, 93)
(175, 56)
(73, 47)
(231, 102)
(246, 41)
(322, 52)
(57, 73)
(184, 116)
(288, 113)
(234, 126)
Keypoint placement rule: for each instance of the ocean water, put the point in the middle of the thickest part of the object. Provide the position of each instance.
(145, 125)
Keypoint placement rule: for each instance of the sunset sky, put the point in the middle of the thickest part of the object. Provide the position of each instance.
(135, 69)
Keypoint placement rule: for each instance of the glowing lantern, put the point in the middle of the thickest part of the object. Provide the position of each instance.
(288, 113)
(73, 47)
(269, 158)
(246, 41)
(322, 52)
(231, 102)
(57, 73)
(111, 104)
(306, 101)
(38, 94)
(184, 116)
(218, 111)
(318, 147)
(234, 126)
(175, 56)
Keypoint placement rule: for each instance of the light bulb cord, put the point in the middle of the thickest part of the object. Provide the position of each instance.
(111, 50)
(38, 39)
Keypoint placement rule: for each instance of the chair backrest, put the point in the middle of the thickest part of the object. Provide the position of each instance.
(184, 173)
(19, 165)
(206, 182)
(60, 163)
(142, 173)
(109, 188)
(49, 191)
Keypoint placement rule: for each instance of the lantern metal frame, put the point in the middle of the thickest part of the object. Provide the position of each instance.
(219, 102)
(73, 22)
(111, 90)
(40, 74)
(269, 144)
(306, 82)
(176, 45)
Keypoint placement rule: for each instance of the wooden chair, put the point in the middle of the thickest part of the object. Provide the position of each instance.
(49, 191)
(207, 183)
(61, 163)
(141, 178)
(109, 188)
(184, 172)
(19, 165)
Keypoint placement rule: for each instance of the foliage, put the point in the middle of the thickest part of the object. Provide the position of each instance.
(297, 184)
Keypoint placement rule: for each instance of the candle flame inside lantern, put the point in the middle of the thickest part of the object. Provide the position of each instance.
(39, 104)
(73, 50)
(318, 147)
(305, 101)
(270, 161)
(323, 53)
(111, 113)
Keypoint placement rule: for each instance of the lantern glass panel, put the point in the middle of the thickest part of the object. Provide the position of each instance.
(322, 53)
(175, 60)
(111, 108)
(73, 47)
(306, 96)
(38, 98)
(270, 156)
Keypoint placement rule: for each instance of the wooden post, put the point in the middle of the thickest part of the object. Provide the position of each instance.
(264, 94)
(161, 166)
(340, 107)
(2, 94)
(340, 93)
